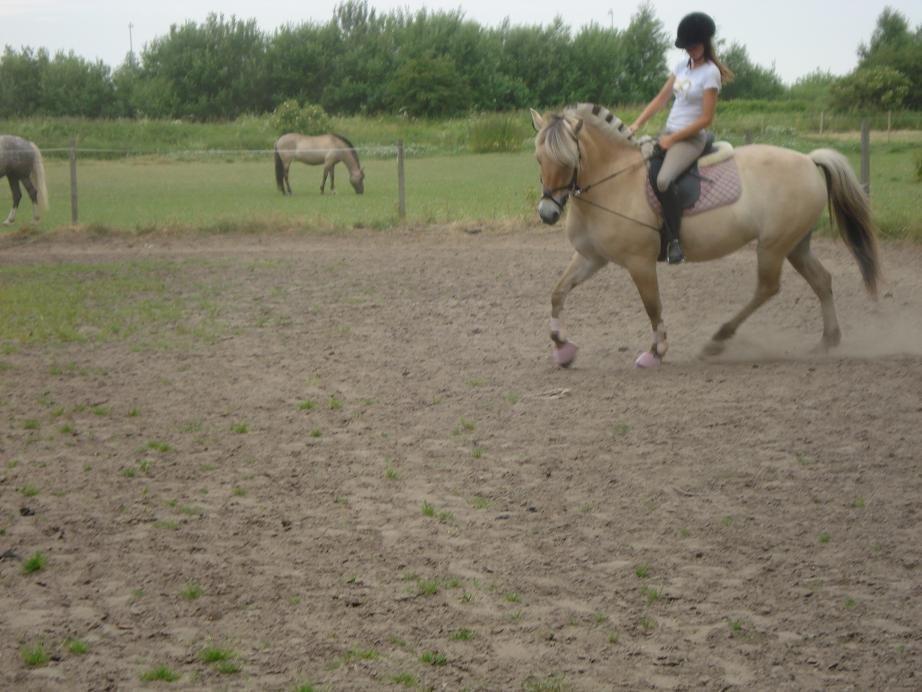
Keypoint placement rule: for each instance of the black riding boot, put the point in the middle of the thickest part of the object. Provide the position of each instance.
(672, 220)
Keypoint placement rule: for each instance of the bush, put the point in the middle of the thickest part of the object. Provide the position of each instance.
(918, 163)
(309, 119)
(503, 132)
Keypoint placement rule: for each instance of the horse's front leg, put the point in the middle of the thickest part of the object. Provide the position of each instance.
(17, 195)
(578, 271)
(644, 276)
(326, 172)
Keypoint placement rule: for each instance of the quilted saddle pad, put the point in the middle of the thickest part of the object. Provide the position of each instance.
(720, 185)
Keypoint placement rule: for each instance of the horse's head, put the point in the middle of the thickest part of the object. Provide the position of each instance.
(357, 178)
(558, 154)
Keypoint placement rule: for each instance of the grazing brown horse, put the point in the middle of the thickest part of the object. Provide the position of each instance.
(585, 153)
(323, 149)
(21, 162)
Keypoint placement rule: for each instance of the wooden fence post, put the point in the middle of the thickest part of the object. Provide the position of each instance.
(866, 156)
(74, 218)
(747, 137)
(822, 120)
(889, 124)
(401, 184)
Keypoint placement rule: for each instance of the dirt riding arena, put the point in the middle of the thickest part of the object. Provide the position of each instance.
(350, 464)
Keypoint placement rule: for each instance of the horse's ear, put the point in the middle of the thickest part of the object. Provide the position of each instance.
(536, 120)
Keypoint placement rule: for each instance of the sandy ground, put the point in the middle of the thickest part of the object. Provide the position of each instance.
(751, 522)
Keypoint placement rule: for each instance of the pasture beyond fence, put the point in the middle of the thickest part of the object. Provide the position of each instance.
(233, 188)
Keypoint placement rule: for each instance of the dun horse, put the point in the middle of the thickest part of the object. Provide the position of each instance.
(585, 154)
(21, 162)
(324, 149)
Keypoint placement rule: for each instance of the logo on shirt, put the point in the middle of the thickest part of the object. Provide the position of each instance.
(682, 86)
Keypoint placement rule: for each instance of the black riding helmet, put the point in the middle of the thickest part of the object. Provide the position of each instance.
(694, 28)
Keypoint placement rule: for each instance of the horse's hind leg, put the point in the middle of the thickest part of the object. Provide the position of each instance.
(820, 280)
(285, 180)
(33, 196)
(579, 270)
(768, 284)
(17, 195)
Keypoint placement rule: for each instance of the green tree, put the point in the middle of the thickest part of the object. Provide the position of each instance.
(894, 45)
(429, 85)
(871, 88)
(214, 70)
(750, 81)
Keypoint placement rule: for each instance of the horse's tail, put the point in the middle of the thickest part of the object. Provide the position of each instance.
(279, 170)
(849, 205)
(37, 176)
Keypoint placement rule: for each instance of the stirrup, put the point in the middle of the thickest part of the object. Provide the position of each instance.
(674, 254)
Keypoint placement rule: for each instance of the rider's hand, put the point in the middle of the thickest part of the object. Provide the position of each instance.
(666, 141)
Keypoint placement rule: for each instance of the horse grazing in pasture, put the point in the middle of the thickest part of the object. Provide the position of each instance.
(586, 154)
(21, 162)
(324, 149)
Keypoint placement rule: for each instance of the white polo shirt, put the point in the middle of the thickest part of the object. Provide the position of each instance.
(690, 85)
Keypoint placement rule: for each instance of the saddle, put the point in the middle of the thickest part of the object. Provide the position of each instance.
(711, 181)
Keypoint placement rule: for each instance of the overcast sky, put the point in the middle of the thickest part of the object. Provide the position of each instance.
(796, 36)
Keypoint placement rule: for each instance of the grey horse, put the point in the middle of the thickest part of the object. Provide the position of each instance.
(21, 162)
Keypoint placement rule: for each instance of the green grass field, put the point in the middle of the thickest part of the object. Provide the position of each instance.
(213, 193)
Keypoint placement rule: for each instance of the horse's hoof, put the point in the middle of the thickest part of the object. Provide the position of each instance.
(713, 348)
(648, 359)
(565, 355)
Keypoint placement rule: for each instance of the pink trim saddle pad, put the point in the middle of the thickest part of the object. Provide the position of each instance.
(720, 185)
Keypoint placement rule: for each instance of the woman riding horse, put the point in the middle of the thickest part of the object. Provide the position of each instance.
(695, 83)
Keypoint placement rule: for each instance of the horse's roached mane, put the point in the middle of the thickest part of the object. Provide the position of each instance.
(603, 119)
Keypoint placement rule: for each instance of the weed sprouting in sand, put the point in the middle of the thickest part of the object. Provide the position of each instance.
(462, 635)
(78, 647)
(158, 446)
(35, 655)
(642, 571)
(824, 537)
(404, 679)
(651, 595)
(434, 658)
(240, 428)
(28, 490)
(391, 474)
(428, 510)
(427, 587)
(512, 597)
(191, 591)
(316, 432)
(30, 424)
(360, 655)
(160, 674)
(334, 403)
(478, 502)
(35, 563)
(307, 405)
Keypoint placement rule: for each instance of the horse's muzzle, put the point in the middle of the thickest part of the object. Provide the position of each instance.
(549, 209)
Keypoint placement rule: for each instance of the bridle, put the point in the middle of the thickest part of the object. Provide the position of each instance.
(574, 189)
